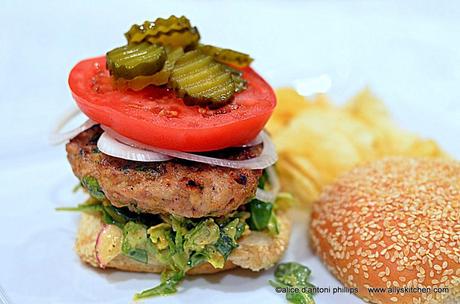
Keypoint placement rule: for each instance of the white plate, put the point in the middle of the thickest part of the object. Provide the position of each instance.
(407, 52)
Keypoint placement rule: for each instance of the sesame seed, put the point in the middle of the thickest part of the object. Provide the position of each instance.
(396, 211)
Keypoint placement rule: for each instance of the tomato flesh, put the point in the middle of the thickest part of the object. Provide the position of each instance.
(157, 117)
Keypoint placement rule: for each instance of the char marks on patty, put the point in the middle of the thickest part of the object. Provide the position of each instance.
(179, 187)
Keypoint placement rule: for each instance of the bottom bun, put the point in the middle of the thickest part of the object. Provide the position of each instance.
(256, 251)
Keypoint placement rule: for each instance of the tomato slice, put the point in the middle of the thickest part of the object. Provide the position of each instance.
(157, 117)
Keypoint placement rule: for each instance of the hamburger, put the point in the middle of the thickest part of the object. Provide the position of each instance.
(391, 230)
(174, 158)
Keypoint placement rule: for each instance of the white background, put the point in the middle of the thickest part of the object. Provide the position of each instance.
(407, 52)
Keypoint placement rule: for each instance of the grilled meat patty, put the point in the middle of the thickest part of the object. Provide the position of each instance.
(177, 187)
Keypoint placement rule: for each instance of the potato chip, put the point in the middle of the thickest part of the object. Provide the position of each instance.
(289, 103)
(329, 151)
(317, 140)
(307, 169)
(295, 182)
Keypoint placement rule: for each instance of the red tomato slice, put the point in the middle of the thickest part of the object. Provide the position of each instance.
(157, 117)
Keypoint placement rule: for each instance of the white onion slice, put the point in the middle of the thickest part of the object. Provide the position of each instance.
(56, 137)
(275, 186)
(267, 158)
(273, 180)
(110, 146)
(265, 196)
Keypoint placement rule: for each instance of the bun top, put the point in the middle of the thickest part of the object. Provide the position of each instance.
(393, 223)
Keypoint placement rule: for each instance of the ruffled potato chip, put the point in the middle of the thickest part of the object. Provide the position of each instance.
(317, 140)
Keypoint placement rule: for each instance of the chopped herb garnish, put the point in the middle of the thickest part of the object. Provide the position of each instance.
(91, 184)
(178, 243)
(135, 242)
(294, 275)
(260, 214)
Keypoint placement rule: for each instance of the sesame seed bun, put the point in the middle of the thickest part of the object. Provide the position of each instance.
(393, 223)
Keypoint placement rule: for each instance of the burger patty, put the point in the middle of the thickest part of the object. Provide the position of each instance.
(176, 186)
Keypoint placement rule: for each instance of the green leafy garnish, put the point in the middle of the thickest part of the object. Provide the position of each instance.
(76, 187)
(178, 243)
(285, 200)
(82, 208)
(182, 244)
(91, 205)
(260, 214)
(135, 242)
(91, 184)
(168, 285)
(263, 179)
(263, 213)
(294, 275)
(117, 216)
(203, 234)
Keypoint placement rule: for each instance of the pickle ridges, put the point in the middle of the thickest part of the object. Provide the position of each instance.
(202, 80)
(174, 32)
(202, 74)
(227, 56)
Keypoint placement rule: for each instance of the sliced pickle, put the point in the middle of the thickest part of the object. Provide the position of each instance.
(187, 39)
(134, 60)
(159, 78)
(201, 80)
(227, 56)
(174, 32)
(137, 33)
(240, 83)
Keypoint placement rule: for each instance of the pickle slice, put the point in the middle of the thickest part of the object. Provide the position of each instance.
(240, 83)
(201, 80)
(227, 56)
(174, 32)
(159, 78)
(187, 39)
(134, 60)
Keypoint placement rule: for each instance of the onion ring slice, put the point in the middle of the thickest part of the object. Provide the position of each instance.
(275, 186)
(56, 137)
(267, 158)
(110, 146)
